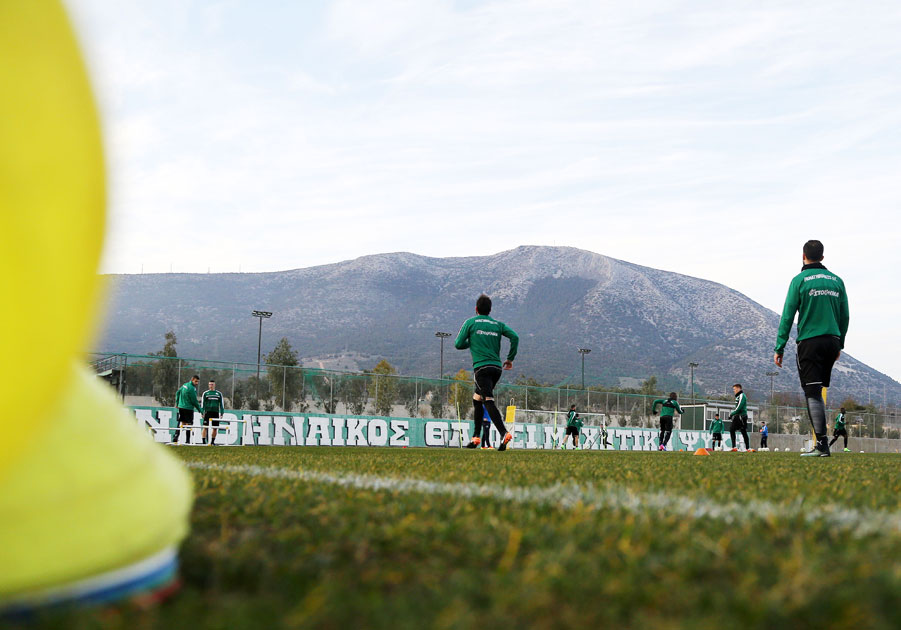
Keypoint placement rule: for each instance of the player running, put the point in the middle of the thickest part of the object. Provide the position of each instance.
(819, 298)
(739, 417)
(213, 408)
(573, 427)
(840, 430)
(716, 428)
(482, 335)
(668, 407)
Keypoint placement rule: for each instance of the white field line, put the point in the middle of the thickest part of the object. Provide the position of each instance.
(858, 523)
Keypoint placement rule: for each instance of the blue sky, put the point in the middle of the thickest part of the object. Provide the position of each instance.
(707, 138)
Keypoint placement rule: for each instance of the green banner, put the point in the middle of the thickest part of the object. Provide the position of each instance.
(237, 428)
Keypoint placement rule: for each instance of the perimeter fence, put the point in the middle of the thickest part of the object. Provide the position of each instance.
(154, 380)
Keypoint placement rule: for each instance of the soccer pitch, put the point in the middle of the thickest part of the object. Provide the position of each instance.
(446, 538)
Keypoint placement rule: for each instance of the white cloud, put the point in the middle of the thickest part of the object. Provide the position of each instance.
(303, 134)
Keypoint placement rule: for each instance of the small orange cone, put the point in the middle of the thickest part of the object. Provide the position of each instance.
(702, 451)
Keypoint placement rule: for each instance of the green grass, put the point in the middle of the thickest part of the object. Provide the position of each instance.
(283, 553)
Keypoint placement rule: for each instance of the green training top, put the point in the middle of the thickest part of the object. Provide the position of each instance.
(669, 406)
(573, 420)
(212, 401)
(741, 405)
(716, 426)
(840, 422)
(482, 335)
(186, 398)
(819, 298)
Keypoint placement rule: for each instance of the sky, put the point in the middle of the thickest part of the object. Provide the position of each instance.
(710, 139)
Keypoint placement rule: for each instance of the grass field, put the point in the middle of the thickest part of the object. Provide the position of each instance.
(413, 538)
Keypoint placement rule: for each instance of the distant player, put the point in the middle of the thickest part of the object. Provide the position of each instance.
(482, 335)
(668, 406)
(739, 417)
(186, 402)
(573, 427)
(764, 434)
(604, 434)
(716, 428)
(486, 430)
(213, 408)
(840, 430)
(819, 298)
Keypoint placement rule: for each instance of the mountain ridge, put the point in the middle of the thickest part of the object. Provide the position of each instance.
(639, 321)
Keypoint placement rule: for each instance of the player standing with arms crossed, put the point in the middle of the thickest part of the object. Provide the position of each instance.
(482, 335)
(818, 297)
(716, 428)
(211, 401)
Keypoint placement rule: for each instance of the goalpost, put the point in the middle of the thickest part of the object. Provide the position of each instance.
(699, 417)
(593, 426)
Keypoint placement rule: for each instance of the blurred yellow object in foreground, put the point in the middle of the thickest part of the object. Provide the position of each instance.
(52, 208)
(90, 508)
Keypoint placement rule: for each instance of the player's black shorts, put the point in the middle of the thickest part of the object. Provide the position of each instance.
(739, 423)
(718, 437)
(666, 423)
(211, 415)
(486, 377)
(816, 356)
(573, 431)
(185, 416)
(840, 432)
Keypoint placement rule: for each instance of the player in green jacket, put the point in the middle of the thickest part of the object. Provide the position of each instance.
(186, 403)
(213, 407)
(668, 406)
(819, 298)
(840, 430)
(482, 335)
(573, 427)
(739, 417)
(716, 428)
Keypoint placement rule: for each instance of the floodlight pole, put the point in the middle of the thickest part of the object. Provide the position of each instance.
(691, 366)
(772, 375)
(442, 336)
(583, 352)
(261, 315)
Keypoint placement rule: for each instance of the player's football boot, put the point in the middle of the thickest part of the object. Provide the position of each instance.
(734, 450)
(847, 450)
(474, 443)
(505, 441)
(92, 512)
(820, 449)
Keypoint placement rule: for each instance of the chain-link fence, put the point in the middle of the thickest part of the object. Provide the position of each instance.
(154, 380)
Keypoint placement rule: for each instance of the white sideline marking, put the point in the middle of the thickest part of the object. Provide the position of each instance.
(858, 523)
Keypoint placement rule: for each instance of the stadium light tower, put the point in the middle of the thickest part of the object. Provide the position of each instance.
(262, 315)
(442, 336)
(583, 352)
(691, 366)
